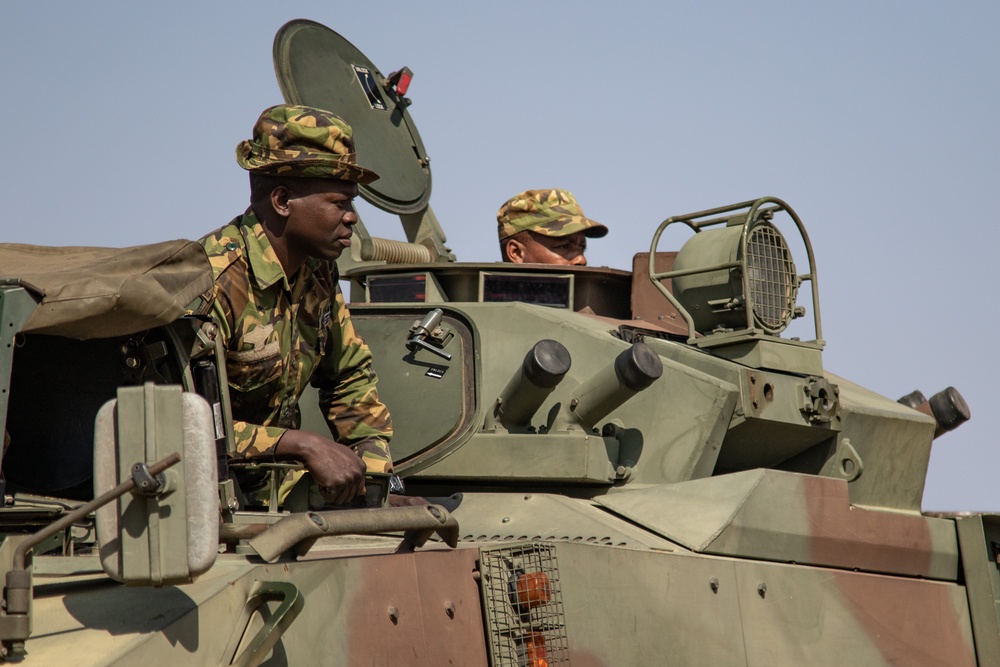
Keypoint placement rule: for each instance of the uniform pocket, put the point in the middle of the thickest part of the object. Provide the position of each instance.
(255, 369)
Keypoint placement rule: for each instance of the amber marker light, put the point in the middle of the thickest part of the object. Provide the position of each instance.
(533, 589)
(534, 650)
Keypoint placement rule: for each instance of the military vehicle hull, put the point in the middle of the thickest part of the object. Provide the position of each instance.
(630, 602)
(623, 467)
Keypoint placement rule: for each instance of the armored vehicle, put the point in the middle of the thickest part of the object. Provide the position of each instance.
(624, 467)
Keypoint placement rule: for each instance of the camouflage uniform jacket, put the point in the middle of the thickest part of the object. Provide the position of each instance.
(280, 334)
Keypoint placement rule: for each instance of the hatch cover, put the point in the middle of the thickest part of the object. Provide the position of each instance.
(317, 67)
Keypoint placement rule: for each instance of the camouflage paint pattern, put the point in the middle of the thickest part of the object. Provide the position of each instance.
(344, 619)
(302, 142)
(546, 212)
(280, 336)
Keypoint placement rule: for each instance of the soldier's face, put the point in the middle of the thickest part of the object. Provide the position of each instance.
(536, 248)
(320, 215)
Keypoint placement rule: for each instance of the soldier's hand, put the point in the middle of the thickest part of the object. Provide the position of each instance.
(338, 470)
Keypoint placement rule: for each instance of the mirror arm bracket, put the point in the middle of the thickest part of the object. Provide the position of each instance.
(14, 625)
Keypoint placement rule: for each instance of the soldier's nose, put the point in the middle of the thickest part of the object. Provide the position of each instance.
(578, 260)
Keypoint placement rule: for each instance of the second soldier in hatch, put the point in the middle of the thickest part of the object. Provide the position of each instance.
(545, 227)
(283, 319)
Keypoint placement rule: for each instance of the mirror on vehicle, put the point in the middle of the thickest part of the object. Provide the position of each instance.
(167, 530)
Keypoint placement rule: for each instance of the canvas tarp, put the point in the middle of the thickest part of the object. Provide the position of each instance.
(102, 292)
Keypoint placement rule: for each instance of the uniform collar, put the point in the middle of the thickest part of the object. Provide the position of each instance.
(266, 268)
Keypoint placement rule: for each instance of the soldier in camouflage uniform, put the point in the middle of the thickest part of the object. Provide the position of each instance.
(545, 227)
(283, 317)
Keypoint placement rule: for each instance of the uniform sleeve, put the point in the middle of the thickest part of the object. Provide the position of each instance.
(348, 395)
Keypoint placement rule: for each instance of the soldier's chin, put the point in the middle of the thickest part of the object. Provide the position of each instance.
(335, 250)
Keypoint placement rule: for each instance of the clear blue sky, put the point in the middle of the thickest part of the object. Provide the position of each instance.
(876, 121)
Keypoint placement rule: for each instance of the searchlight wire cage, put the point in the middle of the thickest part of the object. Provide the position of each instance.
(763, 262)
(770, 274)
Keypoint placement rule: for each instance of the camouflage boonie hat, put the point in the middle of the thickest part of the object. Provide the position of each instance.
(547, 212)
(303, 142)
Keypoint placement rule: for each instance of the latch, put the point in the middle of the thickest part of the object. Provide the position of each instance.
(428, 334)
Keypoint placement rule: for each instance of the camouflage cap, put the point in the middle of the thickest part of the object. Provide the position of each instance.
(547, 212)
(303, 142)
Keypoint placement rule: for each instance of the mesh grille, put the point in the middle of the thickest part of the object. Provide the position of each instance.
(771, 275)
(524, 609)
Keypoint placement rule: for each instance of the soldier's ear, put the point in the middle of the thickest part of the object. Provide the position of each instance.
(513, 251)
(279, 200)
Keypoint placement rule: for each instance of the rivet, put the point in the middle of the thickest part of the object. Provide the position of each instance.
(762, 589)
(449, 609)
(394, 615)
(714, 583)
